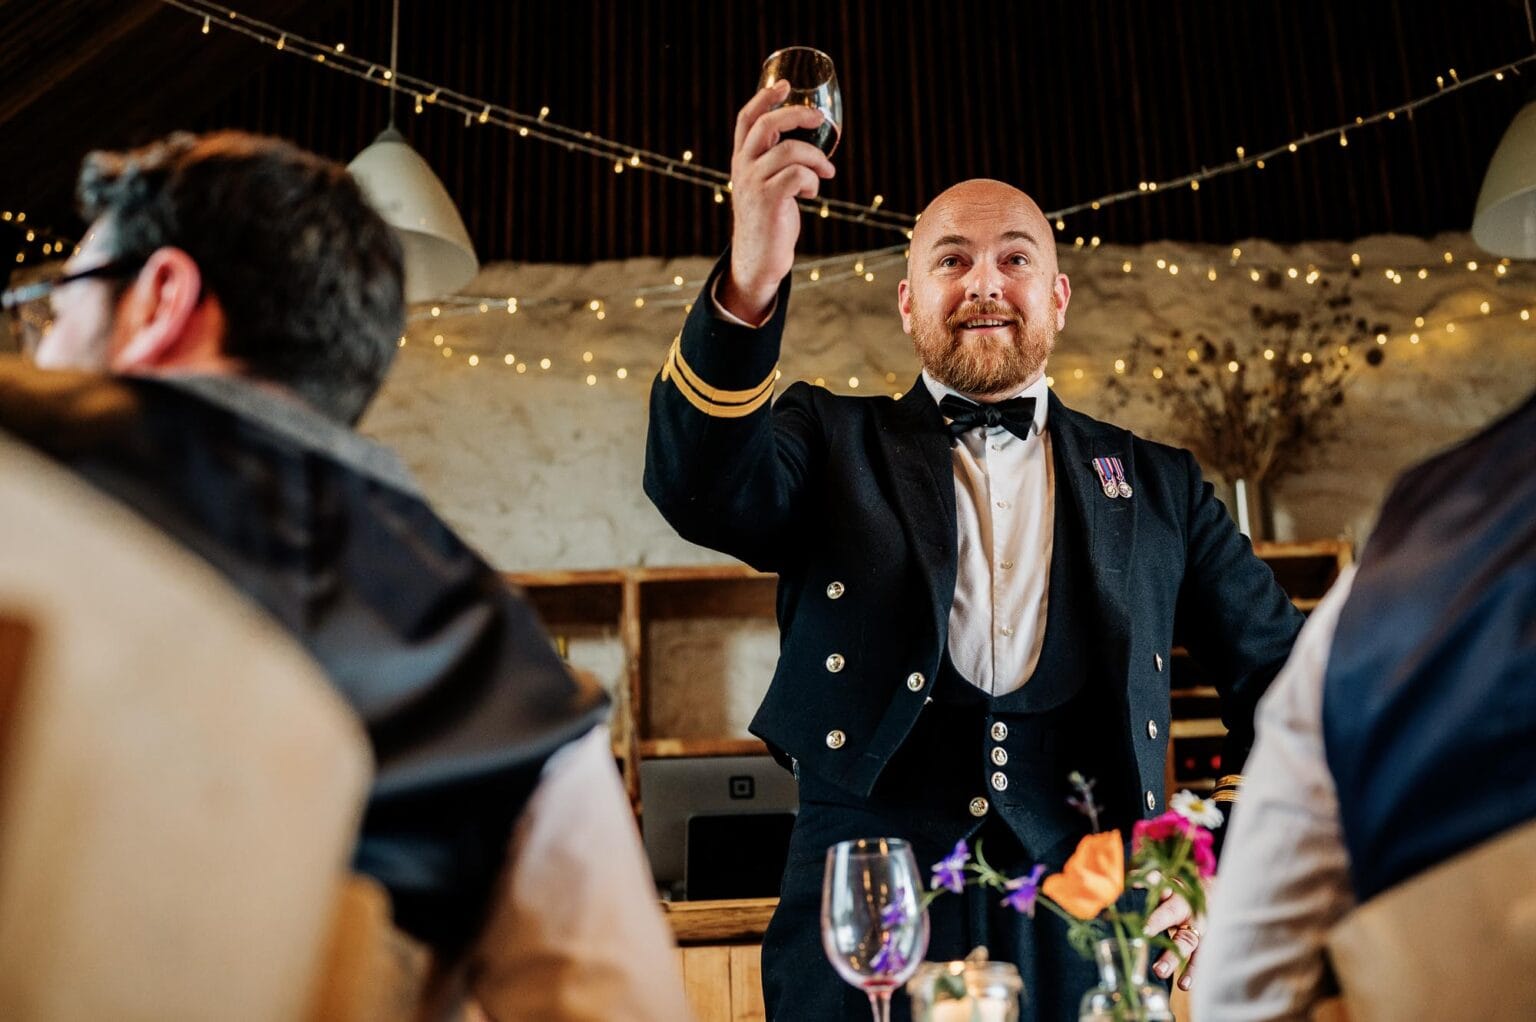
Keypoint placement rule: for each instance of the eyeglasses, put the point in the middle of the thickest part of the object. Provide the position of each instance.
(29, 307)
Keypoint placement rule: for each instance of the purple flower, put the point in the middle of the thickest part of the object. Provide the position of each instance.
(887, 961)
(894, 914)
(1024, 890)
(949, 872)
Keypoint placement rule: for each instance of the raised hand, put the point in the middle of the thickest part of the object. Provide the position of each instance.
(768, 175)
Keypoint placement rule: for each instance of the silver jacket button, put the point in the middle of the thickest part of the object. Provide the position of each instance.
(979, 806)
(1151, 798)
(916, 681)
(1000, 781)
(834, 590)
(1157, 658)
(999, 731)
(999, 755)
(835, 662)
(836, 738)
(1151, 729)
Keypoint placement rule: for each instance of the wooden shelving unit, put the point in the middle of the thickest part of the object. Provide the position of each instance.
(612, 623)
(1305, 571)
(647, 633)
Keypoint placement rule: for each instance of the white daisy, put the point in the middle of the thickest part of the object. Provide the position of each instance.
(1196, 809)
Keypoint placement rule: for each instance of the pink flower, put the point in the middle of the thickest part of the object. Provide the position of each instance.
(1160, 828)
(1204, 854)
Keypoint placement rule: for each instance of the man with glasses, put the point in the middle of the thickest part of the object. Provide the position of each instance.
(245, 303)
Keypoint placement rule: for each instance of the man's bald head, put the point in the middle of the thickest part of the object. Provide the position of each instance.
(985, 198)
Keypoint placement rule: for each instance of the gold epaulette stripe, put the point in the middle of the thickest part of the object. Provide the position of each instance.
(712, 401)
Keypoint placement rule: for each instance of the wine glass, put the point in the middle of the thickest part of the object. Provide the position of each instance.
(812, 82)
(873, 924)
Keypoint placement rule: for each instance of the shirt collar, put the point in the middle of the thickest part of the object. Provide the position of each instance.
(1037, 390)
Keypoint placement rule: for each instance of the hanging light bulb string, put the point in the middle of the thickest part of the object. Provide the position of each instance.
(479, 111)
(626, 156)
(1340, 133)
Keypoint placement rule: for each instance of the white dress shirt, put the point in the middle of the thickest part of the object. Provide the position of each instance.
(575, 933)
(1005, 510)
(1284, 879)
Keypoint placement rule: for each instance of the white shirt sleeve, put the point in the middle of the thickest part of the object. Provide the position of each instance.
(722, 313)
(1284, 876)
(577, 934)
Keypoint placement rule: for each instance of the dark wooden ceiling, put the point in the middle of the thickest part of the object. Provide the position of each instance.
(1070, 100)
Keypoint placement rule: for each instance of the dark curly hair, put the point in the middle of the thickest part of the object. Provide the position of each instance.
(308, 274)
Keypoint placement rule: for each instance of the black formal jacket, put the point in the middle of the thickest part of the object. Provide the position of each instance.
(855, 497)
(459, 687)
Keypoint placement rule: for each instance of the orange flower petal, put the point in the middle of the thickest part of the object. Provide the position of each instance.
(1092, 879)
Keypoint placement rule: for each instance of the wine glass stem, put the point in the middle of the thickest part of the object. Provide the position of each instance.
(880, 1005)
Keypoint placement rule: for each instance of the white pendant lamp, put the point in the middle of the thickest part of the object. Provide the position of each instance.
(1505, 221)
(439, 258)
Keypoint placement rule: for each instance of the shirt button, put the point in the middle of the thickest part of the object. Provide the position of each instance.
(999, 731)
(835, 662)
(1006, 630)
(999, 755)
(1000, 781)
(915, 681)
(1151, 729)
(1006, 565)
(834, 590)
(1157, 658)
(979, 806)
(1002, 505)
(997, 447)
(1151, 801)
(836, 738)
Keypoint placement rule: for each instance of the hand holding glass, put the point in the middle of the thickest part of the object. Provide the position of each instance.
(813, 83)
(874, 928)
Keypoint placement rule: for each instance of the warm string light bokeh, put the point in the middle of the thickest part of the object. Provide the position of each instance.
(432, 324)
(477, 110)
(435, 325)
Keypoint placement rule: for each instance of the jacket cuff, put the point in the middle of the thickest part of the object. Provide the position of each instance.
(726, 369)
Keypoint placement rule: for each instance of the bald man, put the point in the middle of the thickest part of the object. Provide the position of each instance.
(979, 588)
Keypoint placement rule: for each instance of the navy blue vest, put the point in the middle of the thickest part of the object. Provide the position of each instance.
(1061, 720)
(1429, 702)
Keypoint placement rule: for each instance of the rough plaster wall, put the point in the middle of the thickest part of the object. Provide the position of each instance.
(541, 470)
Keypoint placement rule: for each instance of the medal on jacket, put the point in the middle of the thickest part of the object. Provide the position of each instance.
(1120, 481)
(1112, 477)
(1106, 477)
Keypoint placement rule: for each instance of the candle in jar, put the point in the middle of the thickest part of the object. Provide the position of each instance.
(968, 1010)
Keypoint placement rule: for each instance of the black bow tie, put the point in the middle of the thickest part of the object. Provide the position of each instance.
(1016, 415)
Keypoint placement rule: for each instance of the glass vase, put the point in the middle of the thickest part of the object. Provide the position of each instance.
(1123, 993)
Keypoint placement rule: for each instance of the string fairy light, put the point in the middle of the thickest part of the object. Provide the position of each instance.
(688, 170)
(1423, 330)
(525, 125)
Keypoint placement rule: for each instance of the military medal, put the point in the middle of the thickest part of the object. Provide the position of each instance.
(1120, 481)
(1106, 477)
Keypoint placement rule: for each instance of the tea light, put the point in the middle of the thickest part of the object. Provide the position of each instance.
(969, 1010)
